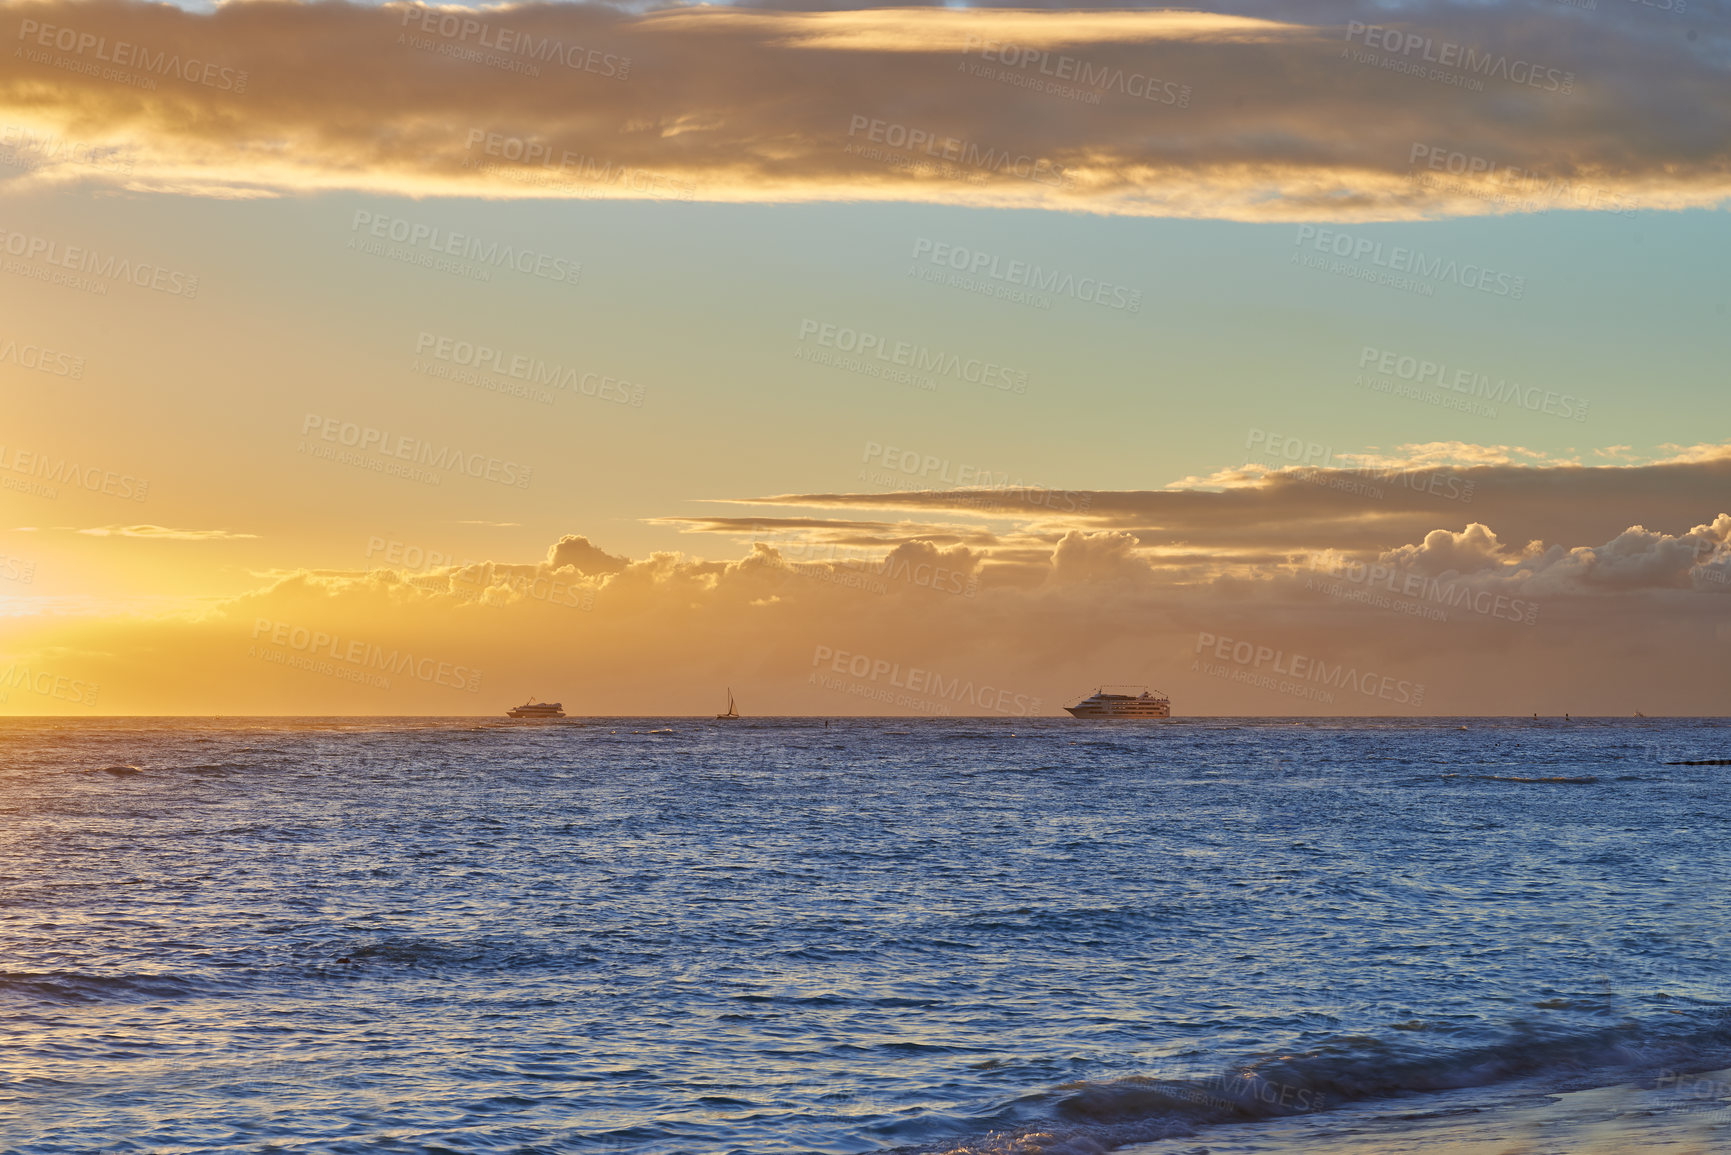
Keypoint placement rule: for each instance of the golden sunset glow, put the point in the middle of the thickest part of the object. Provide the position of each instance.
(410, 359)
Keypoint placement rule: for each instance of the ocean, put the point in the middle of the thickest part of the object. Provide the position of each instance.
(887, 935)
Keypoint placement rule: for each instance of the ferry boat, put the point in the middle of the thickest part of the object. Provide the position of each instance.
(534, 709)
(1102, 704)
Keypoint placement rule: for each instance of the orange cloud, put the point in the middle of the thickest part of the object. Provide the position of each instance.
(1143, 113)
(164, 533)
(1139, 587)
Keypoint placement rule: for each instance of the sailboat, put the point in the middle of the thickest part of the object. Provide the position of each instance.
(731, 712)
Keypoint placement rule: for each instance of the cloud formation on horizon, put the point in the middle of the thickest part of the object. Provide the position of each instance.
(1459, 598)
(1398, 499)
(1162, 113)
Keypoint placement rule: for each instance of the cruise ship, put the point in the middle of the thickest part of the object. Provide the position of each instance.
(1106, 705)
(534, 709)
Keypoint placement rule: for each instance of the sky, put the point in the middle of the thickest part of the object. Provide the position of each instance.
(1289, 359)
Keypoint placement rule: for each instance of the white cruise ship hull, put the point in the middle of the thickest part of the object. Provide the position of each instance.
(1104, 705)
(1119, 711)
(536, 710)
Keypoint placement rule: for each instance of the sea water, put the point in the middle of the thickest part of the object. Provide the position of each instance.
(938, 935)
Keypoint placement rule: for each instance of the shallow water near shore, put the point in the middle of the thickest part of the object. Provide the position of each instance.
(932, 935)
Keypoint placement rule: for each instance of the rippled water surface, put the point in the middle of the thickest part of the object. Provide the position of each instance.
(771, 937)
